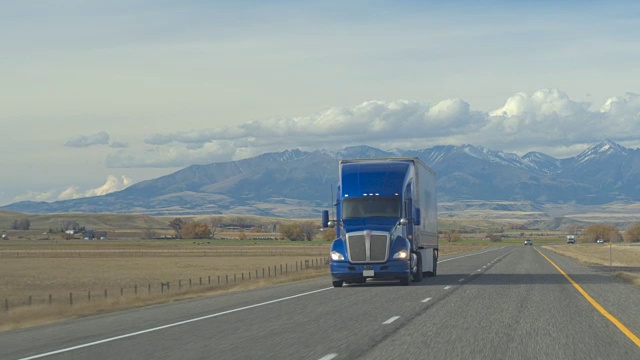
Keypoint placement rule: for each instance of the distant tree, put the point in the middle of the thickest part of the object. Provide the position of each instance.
(214, 224)
(69, 225)
(292, 231)
(632, 234)
(600, 231)
(149, 233)
(196, 230)
(22, 224)
(176, 224)
(493, 237)
(452, 236)
(328, 234)
(309, 230)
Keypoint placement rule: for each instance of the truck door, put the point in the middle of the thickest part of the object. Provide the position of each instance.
(408, 211)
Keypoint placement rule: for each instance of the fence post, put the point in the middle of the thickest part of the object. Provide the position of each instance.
(50, 299)
(105, 293)
(200, 280)
(135, 289)
(286, 268)
(70, 299)
(234, 278)
(89, 295)
(6, 305)
(189, 283)
(179, 284)
(218, 279)
(242, 278)
(149, 288)
(29, 300)
(209, 279)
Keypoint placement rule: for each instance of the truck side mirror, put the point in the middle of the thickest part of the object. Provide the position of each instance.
(416, 216)
(325, 218)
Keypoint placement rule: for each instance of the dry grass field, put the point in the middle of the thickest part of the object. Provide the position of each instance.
(625, 259)
(47, 281)
(54, 285)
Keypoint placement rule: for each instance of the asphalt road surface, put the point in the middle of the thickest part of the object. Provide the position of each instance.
(505, 303)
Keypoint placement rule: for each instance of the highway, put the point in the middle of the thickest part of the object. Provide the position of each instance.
(508, 302)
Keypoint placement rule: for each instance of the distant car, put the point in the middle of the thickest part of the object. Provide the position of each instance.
(600, 241)
(528, 242)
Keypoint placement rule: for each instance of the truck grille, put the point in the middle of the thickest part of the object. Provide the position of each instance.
(368, 246)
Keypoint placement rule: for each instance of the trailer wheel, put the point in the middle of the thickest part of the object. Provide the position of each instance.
(337, 283)
(417, 277)
(434, 271)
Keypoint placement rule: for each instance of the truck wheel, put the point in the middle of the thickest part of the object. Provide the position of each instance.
(337, 283)
(417, 277)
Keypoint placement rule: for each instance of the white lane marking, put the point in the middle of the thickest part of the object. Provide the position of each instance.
(461, 280)
(448, 287)
(426, 300)
(328, 357)
(169, 325)
(464, 256)
(391, 320)
(484, 267)
(479, 270)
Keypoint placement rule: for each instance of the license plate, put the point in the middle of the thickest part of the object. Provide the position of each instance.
(367, 273)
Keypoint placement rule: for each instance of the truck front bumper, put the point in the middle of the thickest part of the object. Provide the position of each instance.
(345, 271)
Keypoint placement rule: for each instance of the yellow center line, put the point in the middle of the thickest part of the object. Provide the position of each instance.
(595, 304)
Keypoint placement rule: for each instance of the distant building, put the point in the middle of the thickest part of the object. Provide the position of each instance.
(94, 234)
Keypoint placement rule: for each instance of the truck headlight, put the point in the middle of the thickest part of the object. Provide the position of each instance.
(402, 254)
(336, 256)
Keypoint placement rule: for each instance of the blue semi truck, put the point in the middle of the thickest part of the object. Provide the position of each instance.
(385, 220)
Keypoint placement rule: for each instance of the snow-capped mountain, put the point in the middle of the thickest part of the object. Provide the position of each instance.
(296, 183)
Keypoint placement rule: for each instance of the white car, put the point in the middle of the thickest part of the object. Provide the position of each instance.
(528, 242)
(600, 241)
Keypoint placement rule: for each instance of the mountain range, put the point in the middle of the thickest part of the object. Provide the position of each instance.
(299, 184)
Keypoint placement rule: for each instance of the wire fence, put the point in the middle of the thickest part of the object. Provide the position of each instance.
(115, 253)
(161, 288)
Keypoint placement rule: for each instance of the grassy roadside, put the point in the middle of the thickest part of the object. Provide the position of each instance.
(46, 283)
(623, 258)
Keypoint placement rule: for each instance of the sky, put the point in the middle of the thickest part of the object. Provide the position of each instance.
(98, 95)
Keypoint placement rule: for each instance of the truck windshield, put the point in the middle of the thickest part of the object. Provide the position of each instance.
(378, 206)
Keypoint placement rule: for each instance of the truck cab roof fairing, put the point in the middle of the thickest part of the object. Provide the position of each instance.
(382, 178)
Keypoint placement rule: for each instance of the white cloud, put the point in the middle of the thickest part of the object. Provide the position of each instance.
(118, 145)
(113, 183)
(172, 156)
(82, 141)
(35, 196)
(546, 119)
